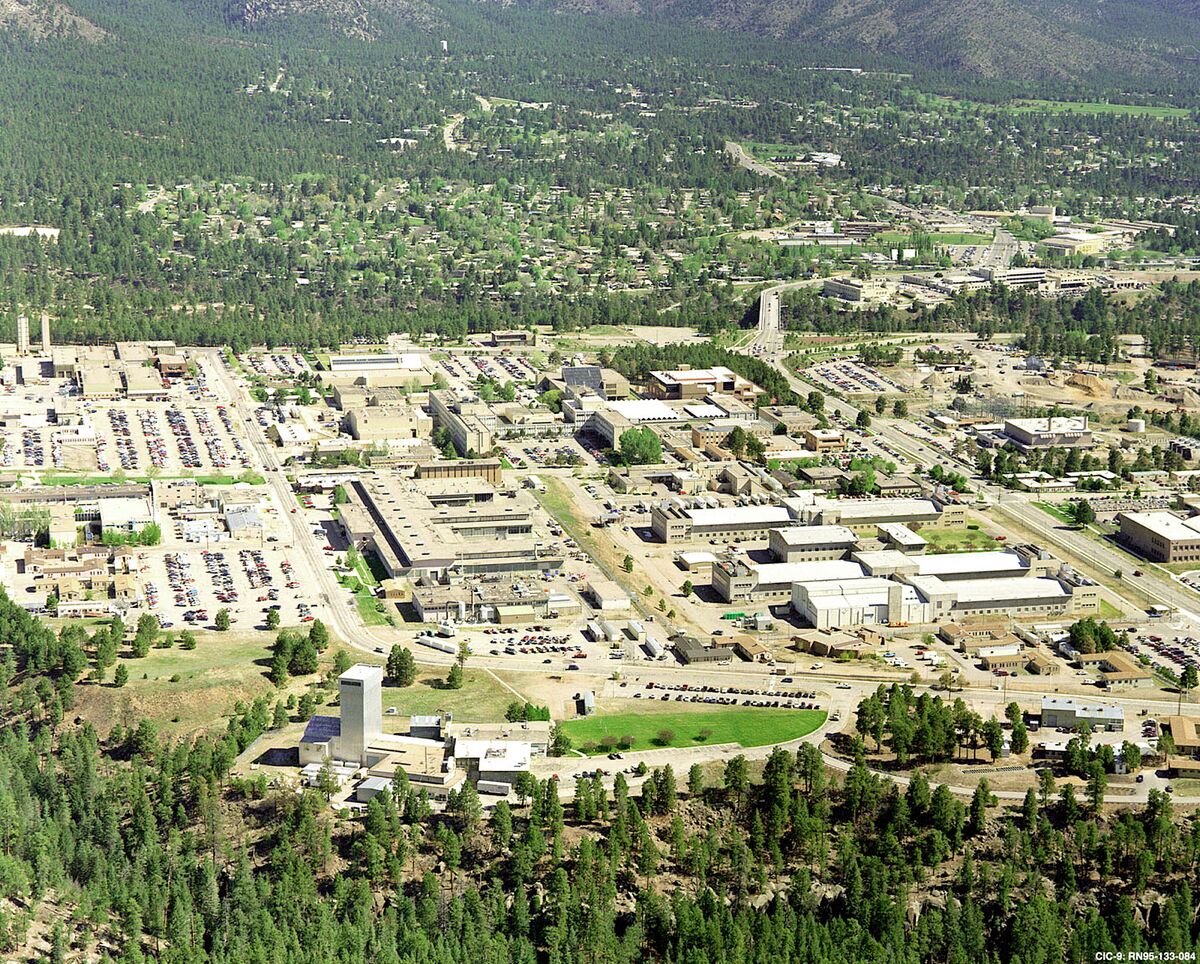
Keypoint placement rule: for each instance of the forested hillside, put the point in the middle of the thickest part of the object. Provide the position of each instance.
(135, 848)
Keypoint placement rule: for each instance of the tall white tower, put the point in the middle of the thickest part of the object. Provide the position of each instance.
(361, 691)
(22, 335)
(45, 334)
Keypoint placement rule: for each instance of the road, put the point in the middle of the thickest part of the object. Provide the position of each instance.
(1000, 253)
(743, 159)
(336, 606)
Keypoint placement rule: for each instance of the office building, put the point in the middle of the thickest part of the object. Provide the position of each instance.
(1161, 536)
(864, 516)
(811, 543)
(699, 383)
(429, 530)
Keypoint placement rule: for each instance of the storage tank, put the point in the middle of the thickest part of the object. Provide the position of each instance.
(1136, 425)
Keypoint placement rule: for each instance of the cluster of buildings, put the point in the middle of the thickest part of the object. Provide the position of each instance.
(842, 562)
(436, 754)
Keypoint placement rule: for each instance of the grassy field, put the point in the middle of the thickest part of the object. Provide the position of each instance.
(1109, 611)
(1057, 511)
(481, 699)
(1095, 107)
(221, 670)
(956, 540)
(693, 726)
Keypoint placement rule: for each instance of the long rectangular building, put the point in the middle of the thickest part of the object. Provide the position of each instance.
(1161, 536)
(421, 535)
(672, 522)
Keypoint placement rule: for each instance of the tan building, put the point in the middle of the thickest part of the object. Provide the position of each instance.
(381, 424)
(1161, 536)
(824, 440)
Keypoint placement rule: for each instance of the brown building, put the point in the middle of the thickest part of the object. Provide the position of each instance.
(487, 469)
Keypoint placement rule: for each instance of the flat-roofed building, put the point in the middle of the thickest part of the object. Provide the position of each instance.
(858, 602)
(514, 337)
(824, 440)
(825, 477)
(99, 382)
(699, 383)
(124, 514)
(897, 486)
(143, 383)
(1069, 713)
(811, 543)
(738, 581)
(414, 537)
(1161, 536)
(866, 515)
(469, 422)
(490, 470)
(847, 289)
(381, 424)
(901, 538)
(671, 522)
(1052, 432)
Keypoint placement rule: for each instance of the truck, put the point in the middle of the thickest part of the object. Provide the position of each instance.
(436, 642)
(446, 629)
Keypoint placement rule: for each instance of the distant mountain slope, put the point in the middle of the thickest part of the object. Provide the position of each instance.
(1023, 39)
(363, 19)
(45, 18)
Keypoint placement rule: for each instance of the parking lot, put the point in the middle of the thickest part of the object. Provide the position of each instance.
(853, 378)
(187, 587)
(1165, 651)
(785, 697)
(277, 365)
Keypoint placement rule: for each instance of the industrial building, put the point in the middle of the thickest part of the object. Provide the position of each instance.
(1161, 536)
(1068, 713)
(737, 581)
(436, 755)
(672, 522)
(811, 543)
(1052, 432)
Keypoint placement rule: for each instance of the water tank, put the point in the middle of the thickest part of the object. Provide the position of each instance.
(1136, 425)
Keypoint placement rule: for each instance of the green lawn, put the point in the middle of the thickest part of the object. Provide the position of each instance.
(688, 726)
(956, 540)
(1095, 107)
(481, 699)
(252, 477)
(365, 600)
(1057, 511)
(1109, 611)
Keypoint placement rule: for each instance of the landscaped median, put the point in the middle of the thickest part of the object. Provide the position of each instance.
(652, 727)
